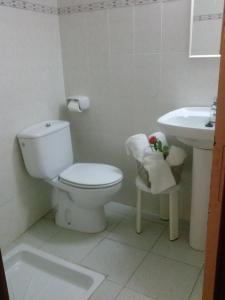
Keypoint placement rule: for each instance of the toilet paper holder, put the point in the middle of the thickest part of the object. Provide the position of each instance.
(83, 102)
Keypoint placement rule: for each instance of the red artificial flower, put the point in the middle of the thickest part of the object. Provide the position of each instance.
(152, 140)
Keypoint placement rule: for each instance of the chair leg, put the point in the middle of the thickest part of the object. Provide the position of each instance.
(173, 212)
(164, 207)
(138, 212)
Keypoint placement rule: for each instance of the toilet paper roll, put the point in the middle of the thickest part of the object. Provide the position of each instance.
(73, 106)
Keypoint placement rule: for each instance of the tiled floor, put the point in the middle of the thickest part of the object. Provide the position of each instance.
(137, 267)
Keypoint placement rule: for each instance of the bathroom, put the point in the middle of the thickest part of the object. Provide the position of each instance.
(132, 61)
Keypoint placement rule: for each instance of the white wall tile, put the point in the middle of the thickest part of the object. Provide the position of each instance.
(32, 90)
(190, 81)
(148, 28)
(121, 77)
(176, 24)
(138, 69)
(74, 41)
(121, 30)
(98, 38)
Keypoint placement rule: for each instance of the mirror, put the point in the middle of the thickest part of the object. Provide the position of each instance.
(206, 26)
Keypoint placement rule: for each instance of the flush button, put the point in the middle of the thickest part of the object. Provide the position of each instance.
(48, 125)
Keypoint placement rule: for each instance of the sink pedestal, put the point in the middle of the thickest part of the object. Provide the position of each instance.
(201, 175)
(188, 125)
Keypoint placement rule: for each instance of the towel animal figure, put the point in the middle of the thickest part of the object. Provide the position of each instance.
(159, 135)
(159, 172)
(158, 168)
(176, 156)
(136, 145)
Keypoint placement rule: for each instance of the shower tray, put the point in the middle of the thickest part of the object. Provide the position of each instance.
(32, 274)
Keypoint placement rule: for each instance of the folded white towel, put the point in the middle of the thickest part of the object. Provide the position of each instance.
(176, 156)
(159, 172)
(136, 144)
(161, 136)
(148, 151)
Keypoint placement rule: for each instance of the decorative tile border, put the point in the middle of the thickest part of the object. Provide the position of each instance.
(79, 8)
(106, 4)
(208, 17)
(100, 5)
(20, 4)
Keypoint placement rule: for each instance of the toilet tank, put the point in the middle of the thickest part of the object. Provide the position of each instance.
(46, 148)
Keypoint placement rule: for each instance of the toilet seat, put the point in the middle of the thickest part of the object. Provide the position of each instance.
(91, 176)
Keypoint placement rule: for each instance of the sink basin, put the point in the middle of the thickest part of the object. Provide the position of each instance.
(188, 125)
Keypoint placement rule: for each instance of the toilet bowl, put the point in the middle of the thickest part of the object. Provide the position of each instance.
(80, 190)
(79, 195)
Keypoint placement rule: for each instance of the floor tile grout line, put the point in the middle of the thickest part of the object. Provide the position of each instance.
(155, 252)
(100, 286)
(175, 260)
(163, 231)
(106, 237)
(89, 252)
(145, 295)
(93, 270)
(126, 244)
(58, 232)
(118, 242)
(101, 240)
(142, 260)
(124, 285)
(195, 284)
(116, 225)
(117, 297)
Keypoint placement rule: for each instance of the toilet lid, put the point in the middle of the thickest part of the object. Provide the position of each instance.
(91, 175)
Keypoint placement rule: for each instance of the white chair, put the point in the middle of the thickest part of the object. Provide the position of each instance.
(168, 207)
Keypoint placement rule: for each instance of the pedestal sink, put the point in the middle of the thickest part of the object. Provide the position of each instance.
(188, 125)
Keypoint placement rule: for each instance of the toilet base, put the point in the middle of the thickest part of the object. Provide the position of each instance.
(81, 219)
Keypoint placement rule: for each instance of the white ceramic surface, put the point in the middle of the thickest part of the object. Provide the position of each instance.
(188, 124)
(34, 274)
(46, 148)
(201, 177)
(91, 175)
(80, 190)
(81, 208)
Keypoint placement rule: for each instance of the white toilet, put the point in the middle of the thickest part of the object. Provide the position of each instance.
(80, 190)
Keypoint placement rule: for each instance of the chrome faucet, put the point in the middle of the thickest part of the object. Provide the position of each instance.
(213, 109)
(212, 114)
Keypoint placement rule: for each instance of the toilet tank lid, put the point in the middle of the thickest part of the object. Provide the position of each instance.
(42, 129)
